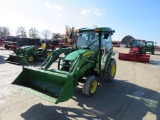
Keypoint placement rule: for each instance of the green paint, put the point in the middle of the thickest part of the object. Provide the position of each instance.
(57, 85)
(52, 86)
(149, 47)
(74, 55)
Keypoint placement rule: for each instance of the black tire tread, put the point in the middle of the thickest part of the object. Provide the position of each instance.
(108, 77)
(87, 86)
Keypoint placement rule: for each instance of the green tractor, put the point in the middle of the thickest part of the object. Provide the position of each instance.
(89, 63)
(149, 47)
(29, 54)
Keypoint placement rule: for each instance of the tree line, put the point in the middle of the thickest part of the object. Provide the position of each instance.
(32, 33)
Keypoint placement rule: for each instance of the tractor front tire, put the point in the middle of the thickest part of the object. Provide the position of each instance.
(90, 86)
(111, 71)
(30, 58)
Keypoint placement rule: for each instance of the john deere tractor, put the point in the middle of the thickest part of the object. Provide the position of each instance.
(29, 54)
(90, 63)
(149, 46)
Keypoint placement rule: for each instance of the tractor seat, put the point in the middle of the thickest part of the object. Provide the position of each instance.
(41, 49)
(43, 46)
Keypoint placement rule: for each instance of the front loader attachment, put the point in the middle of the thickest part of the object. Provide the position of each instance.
(54, 86)
(16, 59)
(134, 57)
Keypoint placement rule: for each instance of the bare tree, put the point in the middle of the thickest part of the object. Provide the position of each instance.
(33, 33)
(21, 32)
(4, 31)
(55, 36)
(46, 34)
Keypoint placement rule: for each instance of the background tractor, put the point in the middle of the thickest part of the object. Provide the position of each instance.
(149, 47)
(89, 63)
(29, 54)
(137, 52)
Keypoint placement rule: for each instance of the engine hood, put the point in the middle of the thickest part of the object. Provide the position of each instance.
(73, 55)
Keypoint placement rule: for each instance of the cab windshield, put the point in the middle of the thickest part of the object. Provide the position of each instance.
(90, 39)
(149, 43)
(136, 43)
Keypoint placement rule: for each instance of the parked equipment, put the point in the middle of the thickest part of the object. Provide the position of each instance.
(89, 62)
(29, 54)
(136, 53)
(150, 47)
(15, 43)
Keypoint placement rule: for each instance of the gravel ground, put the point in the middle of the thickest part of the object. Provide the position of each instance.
(133, 95)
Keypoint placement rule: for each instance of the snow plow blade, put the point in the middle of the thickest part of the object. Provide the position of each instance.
(134, 57)
(15, 59)
(53, 86)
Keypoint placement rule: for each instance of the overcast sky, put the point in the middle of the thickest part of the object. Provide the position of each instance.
(138, 18)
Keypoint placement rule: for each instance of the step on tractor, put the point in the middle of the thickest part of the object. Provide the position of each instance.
(28, 54)
(137, 52)
(149, 47)
(89, 63)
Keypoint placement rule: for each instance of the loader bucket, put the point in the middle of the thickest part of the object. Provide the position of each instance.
(134, 57)
(15, 59)
(54, 87)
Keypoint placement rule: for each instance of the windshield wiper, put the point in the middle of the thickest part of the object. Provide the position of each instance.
(91, 43)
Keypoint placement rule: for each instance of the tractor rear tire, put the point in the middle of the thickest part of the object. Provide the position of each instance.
(90, 86)
(111, 71)
(30, 58)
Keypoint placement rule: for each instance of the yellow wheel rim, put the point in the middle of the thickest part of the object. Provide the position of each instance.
(74, 46)
(113, 70)
(93, 86)
(30, 58)
(48, 54)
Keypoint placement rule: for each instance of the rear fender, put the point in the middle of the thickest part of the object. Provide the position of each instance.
(108, 59)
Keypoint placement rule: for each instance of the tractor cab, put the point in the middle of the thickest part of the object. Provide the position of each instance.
(137, 46)
(149, 43)
(97, 40)
(137, 43)
(149, 46)
(94, 40)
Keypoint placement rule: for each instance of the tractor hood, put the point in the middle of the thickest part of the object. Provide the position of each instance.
(73, 55)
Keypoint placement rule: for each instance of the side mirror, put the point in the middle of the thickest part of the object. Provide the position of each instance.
(106, 36)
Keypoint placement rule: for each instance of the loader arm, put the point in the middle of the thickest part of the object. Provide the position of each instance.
(82, 63)
(54, 56)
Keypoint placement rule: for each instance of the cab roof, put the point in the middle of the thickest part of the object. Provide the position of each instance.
(101, 28)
